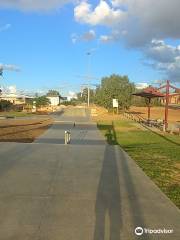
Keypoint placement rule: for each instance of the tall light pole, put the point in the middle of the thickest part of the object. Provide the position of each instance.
(88, 75)
(1, 76)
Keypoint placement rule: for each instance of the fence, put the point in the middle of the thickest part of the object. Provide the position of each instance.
(143, 121)
(159, 124)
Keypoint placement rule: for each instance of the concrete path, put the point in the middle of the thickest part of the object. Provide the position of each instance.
(87, 190)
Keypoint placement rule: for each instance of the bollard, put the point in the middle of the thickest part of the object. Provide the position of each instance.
(67, 137)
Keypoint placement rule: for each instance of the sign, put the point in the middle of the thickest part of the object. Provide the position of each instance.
(115, 103)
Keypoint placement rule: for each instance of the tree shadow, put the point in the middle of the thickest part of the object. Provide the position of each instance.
(161, 136)
(112, 138)
(108, 203)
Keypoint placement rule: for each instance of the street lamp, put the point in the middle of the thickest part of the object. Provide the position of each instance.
(1, 76)
(88, 75)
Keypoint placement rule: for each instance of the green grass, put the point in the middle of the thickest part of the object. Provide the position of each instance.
(15, 114)
(158, 155)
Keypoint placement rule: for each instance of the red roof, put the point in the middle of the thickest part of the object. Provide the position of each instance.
(150, 92)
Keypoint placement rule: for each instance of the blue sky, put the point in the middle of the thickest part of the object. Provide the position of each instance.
(40, 44)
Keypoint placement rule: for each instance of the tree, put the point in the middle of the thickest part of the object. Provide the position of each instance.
(53, 93)
(5, 105)
(83, 96)
(42, 101)
(115, 86)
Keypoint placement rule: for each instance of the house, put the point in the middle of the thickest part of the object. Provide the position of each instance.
(174, 98)
(16, 99)
(54, 100)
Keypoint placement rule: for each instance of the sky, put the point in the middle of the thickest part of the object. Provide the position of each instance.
(44, 43)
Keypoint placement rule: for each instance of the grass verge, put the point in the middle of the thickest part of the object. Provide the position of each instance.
(16, 114)
(157, 154)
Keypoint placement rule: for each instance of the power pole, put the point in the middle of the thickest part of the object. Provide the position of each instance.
(167, 105)
(88, 77)
(88, 74)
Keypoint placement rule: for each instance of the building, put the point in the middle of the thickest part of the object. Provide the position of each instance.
(54, 100)
(16, 99)
(174, 98)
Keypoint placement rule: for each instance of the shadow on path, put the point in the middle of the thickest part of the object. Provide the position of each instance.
(108, 203)
(109, 199)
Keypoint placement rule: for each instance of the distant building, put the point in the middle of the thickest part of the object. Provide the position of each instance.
(173, 98)
(63, 99)
(54, 100)
(16, 99)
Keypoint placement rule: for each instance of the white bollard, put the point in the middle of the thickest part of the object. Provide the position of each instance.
(67, 137)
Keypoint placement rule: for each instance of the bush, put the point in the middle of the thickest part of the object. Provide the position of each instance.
(5, 105)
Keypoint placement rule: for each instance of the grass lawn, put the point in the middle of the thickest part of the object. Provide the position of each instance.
(157, 154)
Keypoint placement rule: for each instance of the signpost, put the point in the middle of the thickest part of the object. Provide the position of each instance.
(115, 105)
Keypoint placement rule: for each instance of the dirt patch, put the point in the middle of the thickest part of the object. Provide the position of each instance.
(177, 165)
(25, 131)
(157, 113)
(103, 114)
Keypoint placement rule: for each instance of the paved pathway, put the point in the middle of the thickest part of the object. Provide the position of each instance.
(87, 190)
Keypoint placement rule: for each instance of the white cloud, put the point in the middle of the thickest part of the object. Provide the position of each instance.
(114, 36)
(12, 89)
(5, 27)
(9, 89)
(87, 36)
(74, 38)
(71, 95)
(139, 23)
(141, 85)
(9, 67)
(33, 5)
(159, 51)
(141, 20)
(164, 58)
(106, 38)
(102, 14)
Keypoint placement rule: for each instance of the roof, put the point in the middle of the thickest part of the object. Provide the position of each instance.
(14, 96)
(149, 92)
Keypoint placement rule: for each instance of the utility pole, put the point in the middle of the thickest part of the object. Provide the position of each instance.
(88, 74)
(88, 77)
(1, 76)
(167, 105)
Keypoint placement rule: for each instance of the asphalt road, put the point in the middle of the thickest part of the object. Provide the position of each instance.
(87, 190)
